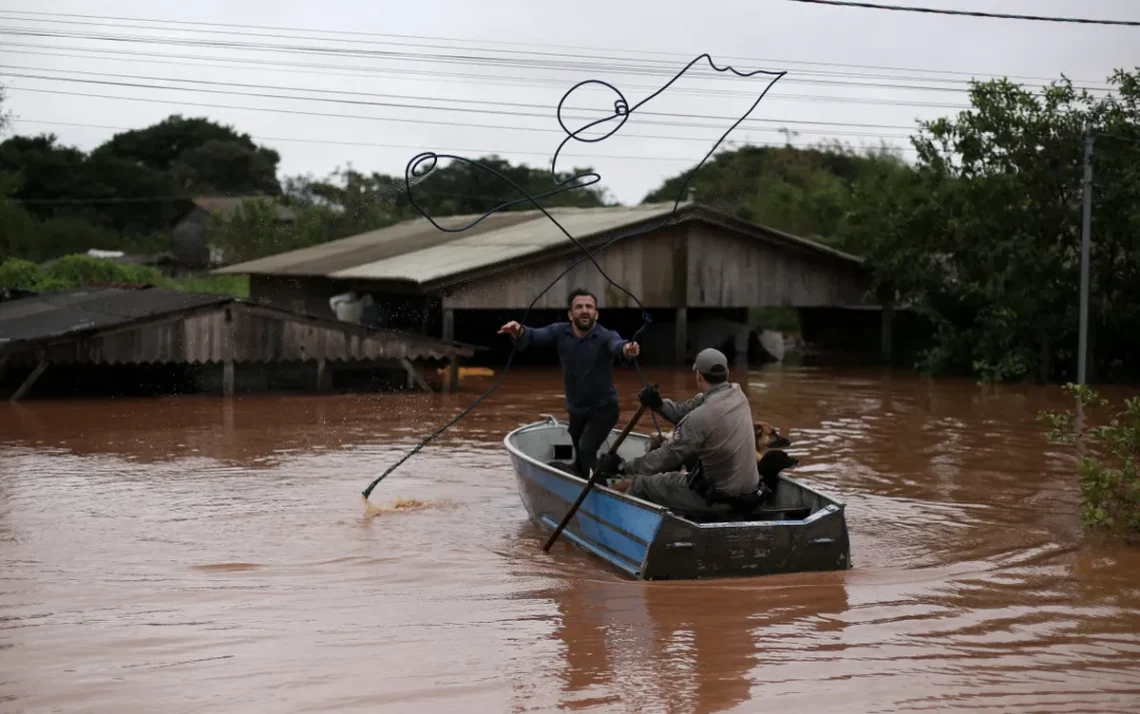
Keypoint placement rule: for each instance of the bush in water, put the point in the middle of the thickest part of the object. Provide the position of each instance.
(1110, 479)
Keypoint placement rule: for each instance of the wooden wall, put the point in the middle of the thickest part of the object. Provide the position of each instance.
(730, 270)
(243, 333)
(643, 265)
(691, 265)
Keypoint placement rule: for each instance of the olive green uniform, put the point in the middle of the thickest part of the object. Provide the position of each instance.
(715, 426)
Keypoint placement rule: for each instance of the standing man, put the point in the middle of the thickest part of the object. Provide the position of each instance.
(587, 351)
(715, 430)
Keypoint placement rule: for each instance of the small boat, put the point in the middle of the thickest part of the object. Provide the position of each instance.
(800, 530)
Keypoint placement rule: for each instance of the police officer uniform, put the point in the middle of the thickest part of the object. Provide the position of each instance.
(715, 430)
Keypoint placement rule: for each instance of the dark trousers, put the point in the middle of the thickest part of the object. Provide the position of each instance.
(588, 432)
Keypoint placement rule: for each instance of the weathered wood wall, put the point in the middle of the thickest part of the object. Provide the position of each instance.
(691, 265)
(730, 270)
(244, 333)
(643, 265)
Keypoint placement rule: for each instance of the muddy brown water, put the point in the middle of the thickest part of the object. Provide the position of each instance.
(193, 555)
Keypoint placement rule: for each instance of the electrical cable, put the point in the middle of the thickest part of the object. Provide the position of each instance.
(969, 13)
(499, 44)
(421, 166)
(398, 105)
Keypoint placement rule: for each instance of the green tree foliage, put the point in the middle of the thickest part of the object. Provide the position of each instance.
(128, 192)
(806, 192)
(1110, 475)
(984, 237)
(982, 234)
(5, 115)
(198, 157)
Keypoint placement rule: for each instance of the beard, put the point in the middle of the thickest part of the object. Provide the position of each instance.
(585, 322)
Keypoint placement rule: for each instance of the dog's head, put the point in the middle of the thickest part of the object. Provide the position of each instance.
(767, 437)
(775, 461)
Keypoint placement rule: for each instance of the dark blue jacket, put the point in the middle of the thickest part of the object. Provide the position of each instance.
(587, 362)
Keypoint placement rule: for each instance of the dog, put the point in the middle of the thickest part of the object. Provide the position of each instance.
(771, 464)
(767, 437)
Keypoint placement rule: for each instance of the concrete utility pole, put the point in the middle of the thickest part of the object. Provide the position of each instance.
(1086, 247)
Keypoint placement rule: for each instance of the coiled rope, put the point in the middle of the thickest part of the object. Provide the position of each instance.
(421, 166)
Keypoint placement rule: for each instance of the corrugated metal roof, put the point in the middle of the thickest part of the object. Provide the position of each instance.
(471, 252)
(53, 315)
(395, 240)
(416, 251)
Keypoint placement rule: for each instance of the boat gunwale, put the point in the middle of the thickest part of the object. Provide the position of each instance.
(633, 500)
(831, 505)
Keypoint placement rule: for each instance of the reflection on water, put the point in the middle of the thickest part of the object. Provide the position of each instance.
(681, 647)
(191, 554)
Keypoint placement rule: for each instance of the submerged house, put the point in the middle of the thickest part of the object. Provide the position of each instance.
(144, 340)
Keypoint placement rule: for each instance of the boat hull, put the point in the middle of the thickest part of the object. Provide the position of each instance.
(645, 541)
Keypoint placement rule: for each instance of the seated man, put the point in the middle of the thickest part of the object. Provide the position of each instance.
(715, 427)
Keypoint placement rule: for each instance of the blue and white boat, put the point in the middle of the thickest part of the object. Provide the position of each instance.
(801, 529)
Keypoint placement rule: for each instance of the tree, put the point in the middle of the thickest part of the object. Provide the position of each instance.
(993, 254)
(5, 116)
(806, 192)
(1109, 465)
(199, 156)
(126, 194)
(47, 172)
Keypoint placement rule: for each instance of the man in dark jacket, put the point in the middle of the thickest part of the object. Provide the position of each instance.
(587, 351)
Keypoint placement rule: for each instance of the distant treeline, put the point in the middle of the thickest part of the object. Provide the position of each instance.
(980, 234)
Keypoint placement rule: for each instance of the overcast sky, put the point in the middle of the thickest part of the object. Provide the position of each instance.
(487, 76)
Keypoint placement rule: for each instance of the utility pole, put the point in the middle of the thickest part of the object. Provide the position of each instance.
(1086, 248)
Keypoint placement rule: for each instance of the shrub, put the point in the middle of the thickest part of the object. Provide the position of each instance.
(73, 271)
(1110, 482)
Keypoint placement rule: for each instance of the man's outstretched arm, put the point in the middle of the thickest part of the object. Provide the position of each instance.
(528, 336)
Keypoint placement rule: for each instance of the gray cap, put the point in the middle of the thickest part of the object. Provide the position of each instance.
(710, 361)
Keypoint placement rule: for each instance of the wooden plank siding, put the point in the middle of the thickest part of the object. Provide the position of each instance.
(694, 264)
(643, 265)
(245, 333)
(730, 270)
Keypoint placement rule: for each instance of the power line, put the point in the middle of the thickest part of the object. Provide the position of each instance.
(465, 78)
(467, 60)
(414, 147)
(970, 13)
(498, 44)
(357, 71)
(333, 142)
(606, 64)
(1118, 137)
(479, 101)
(423, 121)
(806, 97)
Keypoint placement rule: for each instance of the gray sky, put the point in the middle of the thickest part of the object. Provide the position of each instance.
(506, 63)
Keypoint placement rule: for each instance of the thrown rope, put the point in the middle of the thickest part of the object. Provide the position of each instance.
(422, 165)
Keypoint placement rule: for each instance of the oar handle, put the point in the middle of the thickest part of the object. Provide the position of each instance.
(592, 480)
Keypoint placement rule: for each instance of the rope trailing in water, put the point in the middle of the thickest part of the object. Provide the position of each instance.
(422, 165)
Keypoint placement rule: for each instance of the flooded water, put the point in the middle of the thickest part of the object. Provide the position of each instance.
(194, 555)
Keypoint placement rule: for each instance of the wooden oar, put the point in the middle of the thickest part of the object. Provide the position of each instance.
(593, 478)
